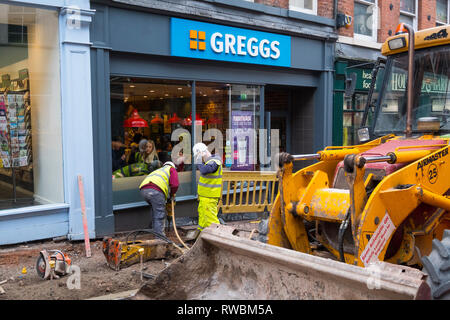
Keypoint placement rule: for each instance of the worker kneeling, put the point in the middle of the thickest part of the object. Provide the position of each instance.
(158, 187)
(209, 185)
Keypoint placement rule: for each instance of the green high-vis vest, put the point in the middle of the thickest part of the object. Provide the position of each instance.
(159, 177)
(210, 185)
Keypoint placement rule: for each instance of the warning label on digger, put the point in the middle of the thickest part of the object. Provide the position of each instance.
(378, 240)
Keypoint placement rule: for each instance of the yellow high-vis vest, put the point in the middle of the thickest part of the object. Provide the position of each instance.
(210, 185)
(160, 177)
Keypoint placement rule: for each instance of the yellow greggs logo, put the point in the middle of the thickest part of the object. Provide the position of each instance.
(197, 40)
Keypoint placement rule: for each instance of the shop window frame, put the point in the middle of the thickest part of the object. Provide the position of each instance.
(411, 15)
(36, 204)
(442, 23)
(193, 83)
(137, 204)
(293, 7)
(352, 111)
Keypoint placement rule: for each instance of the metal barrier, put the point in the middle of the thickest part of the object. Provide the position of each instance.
(248, 191)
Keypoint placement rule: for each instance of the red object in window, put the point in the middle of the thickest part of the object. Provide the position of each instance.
(135, 121)
(175, 119)
(188, 121)
(157, 119)
(214, 120)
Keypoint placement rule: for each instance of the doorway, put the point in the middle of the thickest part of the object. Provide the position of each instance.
(291, 110)
(279, 121)
(277, 107)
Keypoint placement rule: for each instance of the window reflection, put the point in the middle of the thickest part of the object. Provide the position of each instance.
(353, 114)
(152, 122)
(148, 119)
(235, 108)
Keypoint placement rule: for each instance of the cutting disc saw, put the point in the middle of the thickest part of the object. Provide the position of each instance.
(52, 264)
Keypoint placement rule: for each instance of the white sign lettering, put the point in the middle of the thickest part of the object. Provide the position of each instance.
(239, 45)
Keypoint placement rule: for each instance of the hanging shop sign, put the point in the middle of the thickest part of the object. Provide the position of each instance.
(194, 39)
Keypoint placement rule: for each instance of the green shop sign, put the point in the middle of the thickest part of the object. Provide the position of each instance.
(363, 79)
(431, 83)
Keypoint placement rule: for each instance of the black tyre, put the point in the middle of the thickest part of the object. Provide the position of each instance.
(437, 267)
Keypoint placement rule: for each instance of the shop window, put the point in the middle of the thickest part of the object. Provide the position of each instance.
(365, 20)
(353, 115)
(442, 8)
(156, 111)
(230, 111)
(160, 112)
(307, 6)
(408, 12)
(30, 110)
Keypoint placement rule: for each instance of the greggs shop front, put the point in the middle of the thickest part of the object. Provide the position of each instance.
(166, 81)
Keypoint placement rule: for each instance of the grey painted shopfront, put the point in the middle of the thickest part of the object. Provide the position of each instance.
(134, 56)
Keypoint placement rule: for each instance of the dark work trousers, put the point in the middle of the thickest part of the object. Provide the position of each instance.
(157, 201)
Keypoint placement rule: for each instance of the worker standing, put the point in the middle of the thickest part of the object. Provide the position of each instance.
(209, 185)
(158, 187)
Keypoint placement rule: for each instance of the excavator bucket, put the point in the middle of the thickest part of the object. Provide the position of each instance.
(221, 265)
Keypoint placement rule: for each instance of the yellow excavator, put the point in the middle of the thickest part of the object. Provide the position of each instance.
(379, 209)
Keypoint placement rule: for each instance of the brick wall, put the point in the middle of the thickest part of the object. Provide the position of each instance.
(346, 7)
(275, 3)
(427, 9)
(389, 13)
(325, 8)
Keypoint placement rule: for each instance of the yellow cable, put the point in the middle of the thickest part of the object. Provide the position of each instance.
(175, 226)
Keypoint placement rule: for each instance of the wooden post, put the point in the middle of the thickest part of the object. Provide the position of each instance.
(87, 244)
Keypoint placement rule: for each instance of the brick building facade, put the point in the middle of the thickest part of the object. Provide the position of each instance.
(359, 43)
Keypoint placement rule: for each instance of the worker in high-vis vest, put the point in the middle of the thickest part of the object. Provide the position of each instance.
(209, 187)
(157, 188)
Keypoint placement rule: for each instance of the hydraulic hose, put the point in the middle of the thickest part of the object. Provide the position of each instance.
(175, 226)
(342, 229)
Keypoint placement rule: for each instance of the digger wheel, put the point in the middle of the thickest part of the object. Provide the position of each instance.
(437, 267)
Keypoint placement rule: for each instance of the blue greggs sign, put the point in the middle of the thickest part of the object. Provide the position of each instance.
(193, 39)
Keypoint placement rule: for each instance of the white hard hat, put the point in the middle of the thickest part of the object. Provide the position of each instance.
(199, 148)
(169, 163)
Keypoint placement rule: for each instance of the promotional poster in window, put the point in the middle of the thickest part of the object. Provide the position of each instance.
(243, 140)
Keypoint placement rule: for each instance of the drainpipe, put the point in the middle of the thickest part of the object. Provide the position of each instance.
(335, 10)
